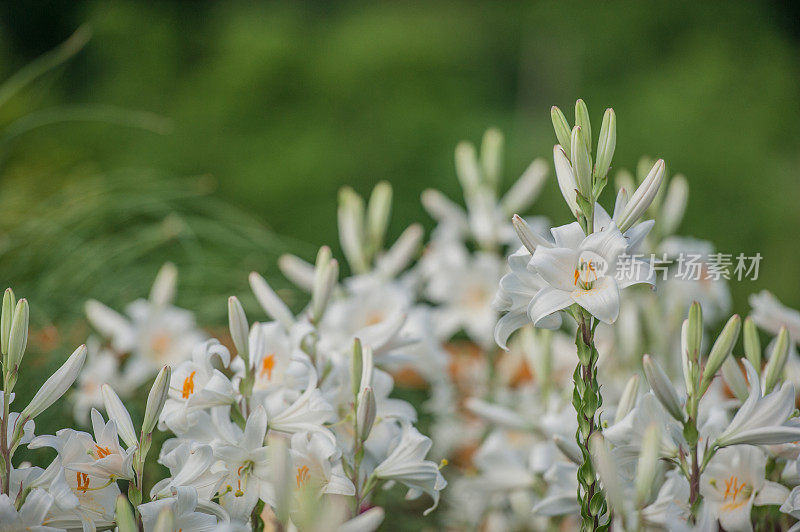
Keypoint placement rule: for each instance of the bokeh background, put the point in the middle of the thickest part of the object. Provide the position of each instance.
(216, 134)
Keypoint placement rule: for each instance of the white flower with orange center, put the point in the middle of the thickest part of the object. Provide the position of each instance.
(734, 482)
(196, 385)
(317, 463)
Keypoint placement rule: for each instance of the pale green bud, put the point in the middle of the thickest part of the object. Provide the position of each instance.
(324, 282)
(492, 156)
(752, 345)
(606, 144)
(569, 449)
(467, 168)
(561, 127)
(156, 399)
(566, 178)
(662, 387)
(695, 331)
(18, 337)
(378, 211)
(628, 399)
(735, 379)
(356, 366)
(58, 383)
(529, 238)
(641, 199)
(720, 351)
(272, 304)
(647, 467)
(116, 410)
(581, 163)
(365, 415)
(237, 323)
(777, 360)
(582, 121)
(686, 363)
(124, 515)
(9, 302)
(163, 291)
(351, 229)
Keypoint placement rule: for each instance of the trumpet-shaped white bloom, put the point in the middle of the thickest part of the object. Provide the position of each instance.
(406, 464)
(191, 464)
(734, 482)
(31, 516)
(185, 512)
(317, 464)
(196, 385)
(762, 420)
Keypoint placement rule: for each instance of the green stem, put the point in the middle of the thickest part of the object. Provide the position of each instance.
(587, 400)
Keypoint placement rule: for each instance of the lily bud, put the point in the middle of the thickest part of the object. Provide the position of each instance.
(720, 351)
(324, 283)
(561, 126)
(9, 302)
(58, 383)
(467, 169)
(402, 252)
(581, 162)
(116, 410)
(647, 467)
(641, 199)
(734, 378)
(662, 387)
(124, 515)
(569, 449)
(565, 178)
(582, 121)
(492, 156)
(272, 304)
(752, 345)
(297, 270)
(686, 364)
(628, 399)
(163, 291)
(529, 238)
(156, 399)
(237, 323)
(351, 229)
(365, 416)
(367, 367)
(694, 335)
(607, 470)
(18, 337)
(777, 360)
(672, 209)
(606, 144)
(356, 364)
(378, 211)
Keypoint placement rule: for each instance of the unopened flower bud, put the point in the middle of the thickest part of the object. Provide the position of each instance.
(566, 178)
(378, 210)
(9, 302)
(116, 410)
(606, 144)
(752, 345)
(237, 323)
(297, 270)
(351, 229)
(581, 163)
(582, 121)
(58, 383)
(647, 467)
(662, 387)
(18, 337)
(561, 126)
(777, 360)
(325, 279)
(628, 399)
(356, 364)
(272, 304)
(641, 199)
(124, 515)
(402, 251)
(529, 238)
(163, 291)
(491, 156)
(467, 168)
(674, 205)
(156, 399)
(569, 448)
(365, 416)
(720, 351)
(733, 376)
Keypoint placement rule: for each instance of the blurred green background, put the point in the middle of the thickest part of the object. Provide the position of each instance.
(260, 112)
(278, 105)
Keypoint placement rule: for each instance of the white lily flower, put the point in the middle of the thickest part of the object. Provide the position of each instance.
(306, 413)
(191, 464)
(275, 359)
(317, 464)
(734, 482)
(31, 516)
(770, 314)
(761, 420)
(406, 464)
(186, 513)
(196, 385)
(247, 462)
(791, 506)
(102, 456)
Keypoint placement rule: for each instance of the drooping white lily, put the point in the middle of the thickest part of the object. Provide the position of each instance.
(406, 464)
(762, 420)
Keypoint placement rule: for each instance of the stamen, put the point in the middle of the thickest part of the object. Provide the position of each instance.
(188, 386)
(302, 476)
(267, 365)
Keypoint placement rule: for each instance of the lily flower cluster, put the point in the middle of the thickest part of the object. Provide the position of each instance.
(526, 341)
